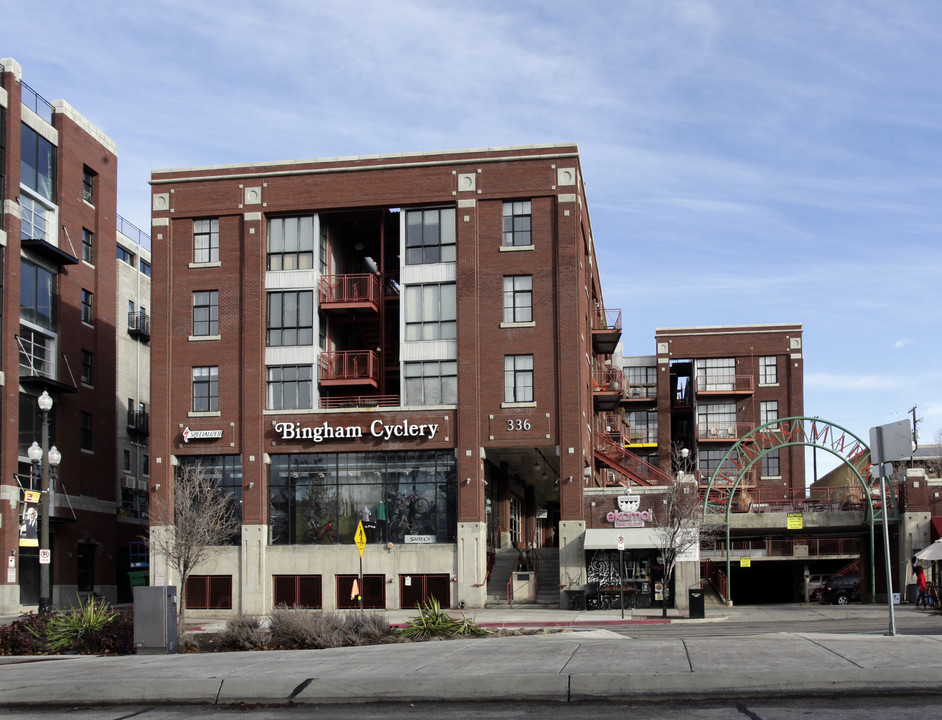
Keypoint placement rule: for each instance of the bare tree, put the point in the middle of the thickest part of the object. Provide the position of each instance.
(679, 526)
(193, 526)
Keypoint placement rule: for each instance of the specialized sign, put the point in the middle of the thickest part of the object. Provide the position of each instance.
(200, 434)
(377, 428)
(628, 515)
(419, 539)
(360, 538)
(31, 496)
(621, 542)
(795, 521)
(45, 557)
(745, 561)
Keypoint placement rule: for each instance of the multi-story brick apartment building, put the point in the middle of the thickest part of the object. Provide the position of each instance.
(413, 341)
(58, 246)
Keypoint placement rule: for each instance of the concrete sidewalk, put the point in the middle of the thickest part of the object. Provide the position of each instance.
(569, 666)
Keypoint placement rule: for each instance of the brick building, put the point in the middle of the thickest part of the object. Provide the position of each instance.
(58, 246)
(414, 341)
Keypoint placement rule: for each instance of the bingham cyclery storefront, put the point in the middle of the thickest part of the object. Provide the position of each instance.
(406, 501)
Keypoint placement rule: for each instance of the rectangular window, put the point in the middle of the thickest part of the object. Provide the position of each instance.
(88, 246)
(430, 236)
(86, 367)
(206, 241)
(88, 306)
(373, 591)
(291, 243)
(85, 431)
(518, 378)
(431, 312)
(145, 268)
(290, 318)
(768, 412)
(642, 427)
(770, 465)
(431, 383)
(206, 312)
(642, 381)
(88, 185)
(37, 295)
(768, 370)
(127, 460)
(517, 224)
(145, 464)
(716, 421)
(125, 256)
(209, 592)
(518, 298)
(716, 374)
(303, 591)
(37, 163)
(206, 389)
(37, 352)
(35, 219)
(290, 387)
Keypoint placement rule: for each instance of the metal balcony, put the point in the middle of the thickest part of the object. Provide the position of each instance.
(139, 325)
(606, 330)
(349, 367)
(724, 385)
(350, 292)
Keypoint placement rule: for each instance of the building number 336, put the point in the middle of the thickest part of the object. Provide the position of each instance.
(516, 425)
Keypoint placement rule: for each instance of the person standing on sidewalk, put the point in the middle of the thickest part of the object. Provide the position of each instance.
(921, 585)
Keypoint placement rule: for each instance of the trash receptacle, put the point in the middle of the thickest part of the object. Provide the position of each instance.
(912, 593)
(696, 604)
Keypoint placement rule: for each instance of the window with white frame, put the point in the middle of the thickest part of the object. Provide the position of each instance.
(433, 382)
(518, 378)
(290, 318)
(88, 306)
(291, 243)
(716, 374)
(206, 241)
(431, 312)
(430, 236)
(768, 370)
(770, 464)
(206, 312)
(206, 389)
(518, 298)
(88, 246)
(716, 420)
(290, 387)
(768, 412)
(88, 185)
(517, 224)
(35, 219)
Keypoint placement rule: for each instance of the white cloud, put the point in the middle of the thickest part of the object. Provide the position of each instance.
(902, 342)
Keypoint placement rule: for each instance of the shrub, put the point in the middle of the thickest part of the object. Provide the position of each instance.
(116, 637)
(432, 622)
(79, 627)
(316, 629)
(25, 636)
(244, 632)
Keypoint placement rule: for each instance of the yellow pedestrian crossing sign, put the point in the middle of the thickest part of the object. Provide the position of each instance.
(360, 538)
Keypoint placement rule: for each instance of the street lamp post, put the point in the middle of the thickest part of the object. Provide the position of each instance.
(50, 459)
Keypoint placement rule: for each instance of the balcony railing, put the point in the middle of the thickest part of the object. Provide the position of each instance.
(36, 102)
(357, 401)
(645, 391)
(139, 325)
(723, 431)
(139, 421)
(359, 289)
(724, 384)
(607, 319)
(349, 367)
(606, 330)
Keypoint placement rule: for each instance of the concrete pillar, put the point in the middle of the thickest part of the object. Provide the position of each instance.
(572, 570)
(254, 592)
(472, 564)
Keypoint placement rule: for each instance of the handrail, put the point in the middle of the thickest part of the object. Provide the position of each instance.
(638, 469)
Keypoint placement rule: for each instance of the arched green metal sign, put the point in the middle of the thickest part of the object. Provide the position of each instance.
(786, 432)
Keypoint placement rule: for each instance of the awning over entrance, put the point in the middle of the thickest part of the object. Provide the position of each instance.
(935, 528)
(607, 538)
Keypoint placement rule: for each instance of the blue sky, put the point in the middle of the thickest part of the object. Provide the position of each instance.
(745, 162)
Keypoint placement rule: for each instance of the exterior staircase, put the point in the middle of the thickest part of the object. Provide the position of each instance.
(547, 590)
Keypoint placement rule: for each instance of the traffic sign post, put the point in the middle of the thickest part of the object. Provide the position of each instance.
(360, 540)
(621, 580)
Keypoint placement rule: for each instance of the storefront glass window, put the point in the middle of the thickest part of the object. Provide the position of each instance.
(401, 497)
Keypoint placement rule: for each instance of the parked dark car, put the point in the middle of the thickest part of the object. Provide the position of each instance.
(842, 589)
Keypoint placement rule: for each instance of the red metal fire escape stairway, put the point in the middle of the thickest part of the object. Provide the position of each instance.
(627, 463)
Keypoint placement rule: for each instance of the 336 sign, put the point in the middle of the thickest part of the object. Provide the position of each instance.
(518, 424)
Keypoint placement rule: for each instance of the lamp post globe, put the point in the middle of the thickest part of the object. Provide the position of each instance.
(45, 402)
